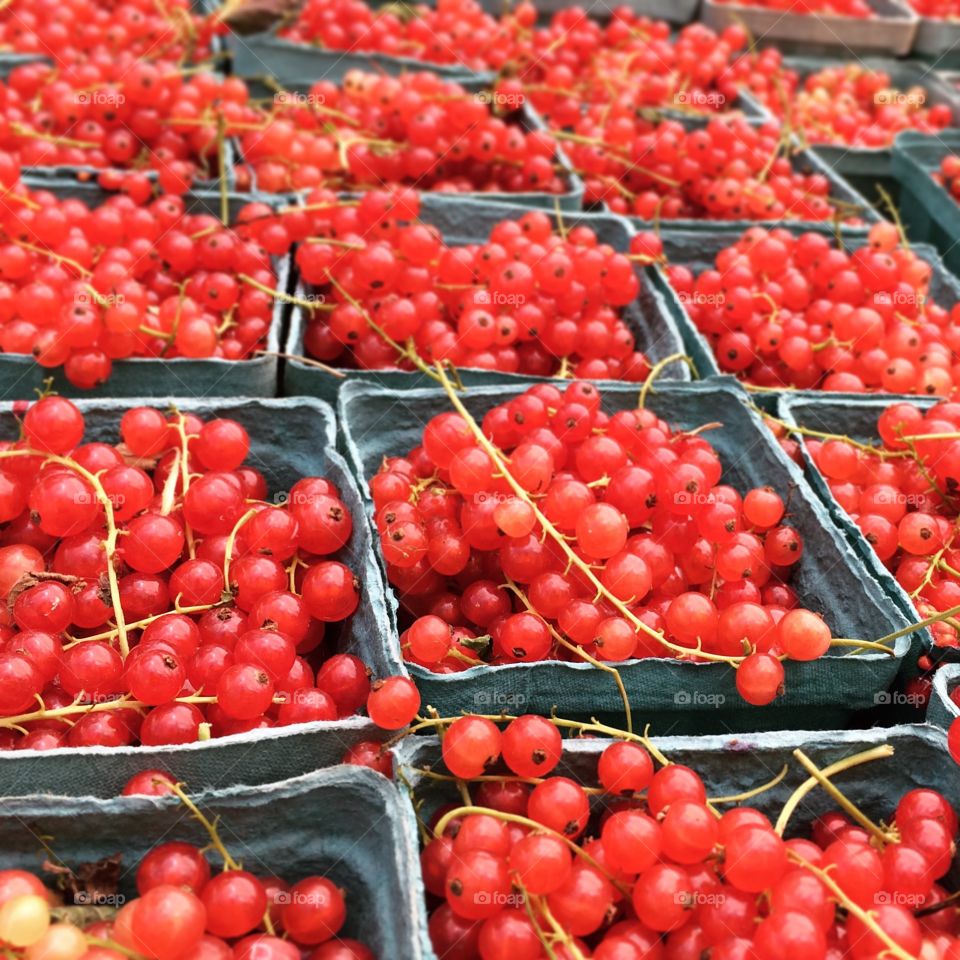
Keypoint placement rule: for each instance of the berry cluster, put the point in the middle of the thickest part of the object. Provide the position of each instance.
(117, 112)
(183, 907)
(450, 31)
(902, 494)
(81, 288)
(825, 8)
(378, 131)
(96, 31)
(858, 106)
(587, 536)
(530, 300)
(636, 63)
(154, 596)
(787, 310)
(652, 869)
(728, 169)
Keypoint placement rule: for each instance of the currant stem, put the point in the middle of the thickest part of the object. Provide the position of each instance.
(861, 645)
(56, 257)
(168, 498)
(138, 624)
(231, 540)
(209, 825)
(185, 476)
(407, 352)
(16, 722)
(822, 435)
(893, 949)
(285, 297)
(920, 624)
(657, 369)
(841, 798)
(558, 930)
(531, 916)
(308, 361)
(821, 779)
(106, 944)
(580, 652)
(756, 791)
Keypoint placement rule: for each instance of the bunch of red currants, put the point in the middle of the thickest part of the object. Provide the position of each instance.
(533, 299)
(98, 32)
(856, 105)
(377, 131)
(727, 169)
(183, 909)
(788, 310)
(652, 869)
(81, 288)
(154, 595)
(902, 494)
(583, 535)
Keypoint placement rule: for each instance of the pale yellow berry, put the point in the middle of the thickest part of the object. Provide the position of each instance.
(24, 920)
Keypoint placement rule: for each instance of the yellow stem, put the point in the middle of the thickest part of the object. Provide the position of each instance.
(868, 756)
(231, 540)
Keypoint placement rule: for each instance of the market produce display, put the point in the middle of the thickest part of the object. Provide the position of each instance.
(900, 491)
(417, 636)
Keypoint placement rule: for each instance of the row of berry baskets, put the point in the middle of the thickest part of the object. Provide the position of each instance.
(890, 28)
(667, 316)
(837, 575)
